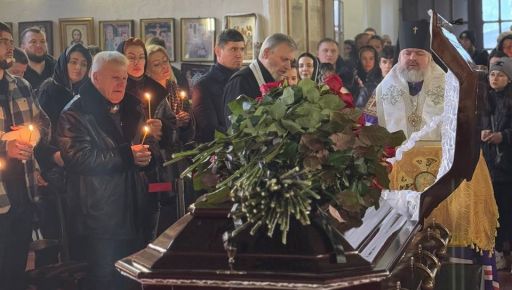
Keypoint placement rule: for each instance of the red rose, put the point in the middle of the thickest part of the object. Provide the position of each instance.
(389, 152)
(334, 82)
(347, 99)
(268, 87)
(259, 99)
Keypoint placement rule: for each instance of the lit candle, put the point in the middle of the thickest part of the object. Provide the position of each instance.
(30, 128)
(146, 131)
(183, 97)
(148, 97)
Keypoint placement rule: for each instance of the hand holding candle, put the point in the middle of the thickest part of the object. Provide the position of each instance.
(148, 97)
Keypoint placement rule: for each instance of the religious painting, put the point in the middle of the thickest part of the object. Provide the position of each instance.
(193, 72)
(113, 32)
(162, 28)
(76, 30)
(197, 39)
(246, 24)
(45, 26)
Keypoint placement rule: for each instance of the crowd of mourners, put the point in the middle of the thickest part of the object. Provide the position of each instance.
(102, 123)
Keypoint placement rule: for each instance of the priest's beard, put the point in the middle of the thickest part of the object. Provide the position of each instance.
(35, 58)
(411, 76)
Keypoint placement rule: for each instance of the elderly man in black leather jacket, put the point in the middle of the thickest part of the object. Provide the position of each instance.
(105, 186)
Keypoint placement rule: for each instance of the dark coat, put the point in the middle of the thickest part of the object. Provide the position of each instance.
(34, 78)
(244, 82)
(370, 81)
(54, 94)
(480, 57)
(500, 108)
(106, 191)
(208, 102)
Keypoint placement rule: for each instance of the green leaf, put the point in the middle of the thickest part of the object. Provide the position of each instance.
(330, 101)
(219, 135)
(290, 151)
(277, 110)
(306, 84)
(396, 138)
(348, 201)
(339, 158)
(312, 94)
(381, 173)
(360, 165)
(215, 198)
(275, 127)
(287, 97)
(291, 126)
(377, 135)
(241, 105)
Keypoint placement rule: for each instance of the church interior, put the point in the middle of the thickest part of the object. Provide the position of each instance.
(255, 144)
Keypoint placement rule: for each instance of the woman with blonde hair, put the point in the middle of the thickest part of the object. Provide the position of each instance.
(159, 69)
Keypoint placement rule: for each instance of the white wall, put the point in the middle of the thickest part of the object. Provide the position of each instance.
(383, 15)
(35, 10)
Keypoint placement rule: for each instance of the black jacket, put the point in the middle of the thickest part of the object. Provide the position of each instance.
(208, 102)
(244, 82)
(500, 112)
(106, 191)
(370, 81)
(34, 78)
(54, 94)
(480, 57)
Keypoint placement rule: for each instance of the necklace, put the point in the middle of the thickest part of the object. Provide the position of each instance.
(414, 118)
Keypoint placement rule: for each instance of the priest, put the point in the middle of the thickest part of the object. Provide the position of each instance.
(411, 98)
(412, 94)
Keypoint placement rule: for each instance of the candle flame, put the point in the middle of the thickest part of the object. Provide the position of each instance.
(146, 129)
(31, 127)
(147, 96)
(183, 94)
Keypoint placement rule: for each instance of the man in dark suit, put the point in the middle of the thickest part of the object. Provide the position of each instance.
(207, 98)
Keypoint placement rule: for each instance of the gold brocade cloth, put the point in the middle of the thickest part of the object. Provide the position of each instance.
(470, 212)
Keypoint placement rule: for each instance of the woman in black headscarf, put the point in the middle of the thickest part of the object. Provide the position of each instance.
(70, 72)
(369, 75)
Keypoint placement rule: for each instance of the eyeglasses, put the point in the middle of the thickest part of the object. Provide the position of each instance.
(7, 41)
(133, 59)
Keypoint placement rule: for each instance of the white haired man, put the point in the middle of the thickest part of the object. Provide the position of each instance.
(105, 188)
(274, 61)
